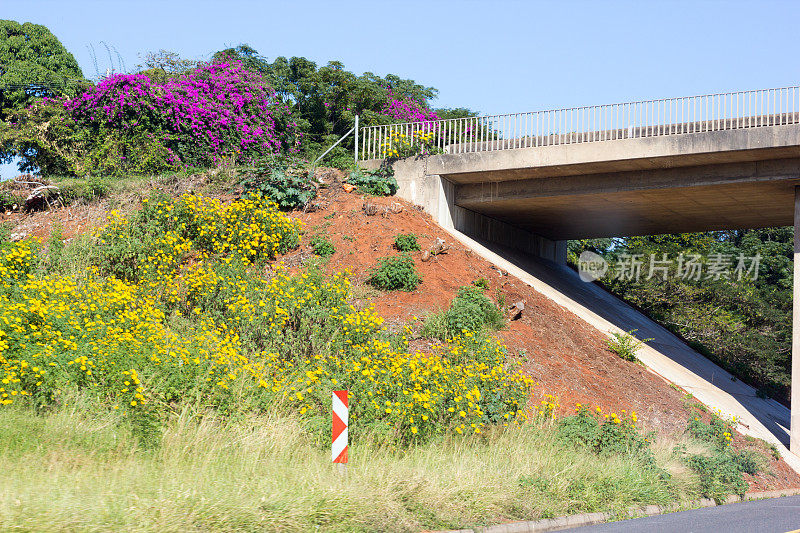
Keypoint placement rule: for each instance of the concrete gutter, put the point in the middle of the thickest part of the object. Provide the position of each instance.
(589, 519)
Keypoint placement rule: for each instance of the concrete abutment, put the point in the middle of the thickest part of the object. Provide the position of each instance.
(436, 196)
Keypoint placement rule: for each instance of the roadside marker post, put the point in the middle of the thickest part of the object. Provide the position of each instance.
(340, 415)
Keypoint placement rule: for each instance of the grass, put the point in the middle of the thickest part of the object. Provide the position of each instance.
(78, 469)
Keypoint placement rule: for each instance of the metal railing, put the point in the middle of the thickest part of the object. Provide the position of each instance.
(650, 118)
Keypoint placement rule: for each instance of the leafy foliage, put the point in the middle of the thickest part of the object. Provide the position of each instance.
(289, 189)
(419, 143)
(326, 99)
(8, 200)
(176, 112)
(481, 283)
(322, 246)
(470, 310)
(605, 434)
(406, 242)
(395, 273)
(34, 64)
(169, 314)
(625, 345)
(89, 189)
(721, 472)
(130, 123)
(742, 325)
(251, 229)
(376, 183)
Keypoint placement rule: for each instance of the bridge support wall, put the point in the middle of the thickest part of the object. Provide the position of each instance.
(436, 196)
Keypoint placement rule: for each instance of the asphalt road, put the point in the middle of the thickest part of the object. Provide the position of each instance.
(776, 515)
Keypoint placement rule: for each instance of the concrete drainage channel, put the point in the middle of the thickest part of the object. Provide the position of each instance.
(589, 519)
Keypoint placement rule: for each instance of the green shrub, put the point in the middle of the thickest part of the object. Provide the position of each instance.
(749, 461)
(8, 201)
(406, 242)
(625, 345)
(717, 431)
(376, 183)
(610, 434)
(470, 310)
(119, 153)
(721, 473)
(580, 430)
(285, 189)
(481, 283)
(322, 246)
(395, 273)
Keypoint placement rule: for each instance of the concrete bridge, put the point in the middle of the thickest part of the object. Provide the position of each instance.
(522, 184)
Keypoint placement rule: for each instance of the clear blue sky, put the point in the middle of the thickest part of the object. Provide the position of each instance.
(491, 56)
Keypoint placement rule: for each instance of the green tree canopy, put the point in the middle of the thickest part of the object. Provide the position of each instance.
(165, 64)
(745, 325)
(33, 63)
(326, 99)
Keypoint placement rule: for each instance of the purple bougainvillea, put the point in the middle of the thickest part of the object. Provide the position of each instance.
(216, 110)
(407, 110)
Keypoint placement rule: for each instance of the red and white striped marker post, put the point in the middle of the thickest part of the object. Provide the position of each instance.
(339, 446)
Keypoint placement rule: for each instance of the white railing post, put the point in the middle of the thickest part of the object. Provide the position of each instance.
(355, 156)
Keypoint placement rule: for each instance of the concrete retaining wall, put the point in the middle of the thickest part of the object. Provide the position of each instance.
(436, 196)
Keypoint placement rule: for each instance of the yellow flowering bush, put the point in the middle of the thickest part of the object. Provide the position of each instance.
(165, 232)
(546, 410)
(176, 310)
(16, 260)
(605, 433)
(718, 430)
(400, 145)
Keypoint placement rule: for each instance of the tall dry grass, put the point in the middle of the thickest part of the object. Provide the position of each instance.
(79, 470)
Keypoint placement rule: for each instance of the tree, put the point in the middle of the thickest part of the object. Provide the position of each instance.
(741, 323)
(326, 99)
(33, 64)
(165, 64)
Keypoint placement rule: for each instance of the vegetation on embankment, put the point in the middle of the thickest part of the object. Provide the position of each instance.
(175, 114)
(170, 368)
(168, 373)
(77, 468)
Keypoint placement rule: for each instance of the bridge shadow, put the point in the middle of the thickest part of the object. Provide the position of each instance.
(596, 299)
